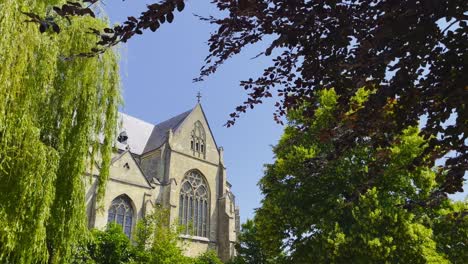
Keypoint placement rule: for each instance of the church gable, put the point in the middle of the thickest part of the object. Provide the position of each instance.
(194, 137)
(124, 168)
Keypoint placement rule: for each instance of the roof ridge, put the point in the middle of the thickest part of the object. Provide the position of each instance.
(185, 114)
(136, 118)
(159, 134)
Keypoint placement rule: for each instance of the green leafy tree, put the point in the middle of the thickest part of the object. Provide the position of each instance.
(248, 247)
(349, 211)
(250, 250)
(51, 112)
(451, 231)
(110, 246)
(158, 240)
(209, 257)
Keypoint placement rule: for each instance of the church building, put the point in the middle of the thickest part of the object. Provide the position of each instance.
(176, 164)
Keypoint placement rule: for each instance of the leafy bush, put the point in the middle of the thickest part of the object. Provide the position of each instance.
(111, 246)
(158, 240)
(209, 257)
(155, 241)
(105, 247)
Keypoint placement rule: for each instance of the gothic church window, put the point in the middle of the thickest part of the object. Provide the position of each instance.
(194, 205)
(198, 141)
(121, 212)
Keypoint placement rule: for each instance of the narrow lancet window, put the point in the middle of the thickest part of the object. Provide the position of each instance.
(197, 143)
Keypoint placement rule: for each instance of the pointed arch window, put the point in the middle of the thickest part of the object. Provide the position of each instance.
(121, 212)
(198, 141)
(194, 205)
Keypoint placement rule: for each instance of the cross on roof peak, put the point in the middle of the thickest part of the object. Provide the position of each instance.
(198, 97)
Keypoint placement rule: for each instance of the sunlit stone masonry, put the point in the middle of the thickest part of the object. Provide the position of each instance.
(176, 164)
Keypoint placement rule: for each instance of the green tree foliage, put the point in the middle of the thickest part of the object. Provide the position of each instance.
(350, 212)
(158, 240)
(106, 247)
(155, 241)
(112, 246)
(451, 231)
(51, 112)
(209, 257)
(250, 250)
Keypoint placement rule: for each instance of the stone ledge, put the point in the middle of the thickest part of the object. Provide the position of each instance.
(195, 238)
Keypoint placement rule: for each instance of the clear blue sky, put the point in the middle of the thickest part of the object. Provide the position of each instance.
(157, 72)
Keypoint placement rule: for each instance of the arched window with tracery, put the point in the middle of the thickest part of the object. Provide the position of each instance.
(194, 205)
(198, 141)
(121, 212)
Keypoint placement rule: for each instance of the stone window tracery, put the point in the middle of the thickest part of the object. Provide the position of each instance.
(198, 140)
(194, 205)
(121, 212)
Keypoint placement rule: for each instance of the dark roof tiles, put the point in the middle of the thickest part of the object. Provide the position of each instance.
(159, 134)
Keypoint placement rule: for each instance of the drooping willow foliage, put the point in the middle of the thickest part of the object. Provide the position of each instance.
(52, 110)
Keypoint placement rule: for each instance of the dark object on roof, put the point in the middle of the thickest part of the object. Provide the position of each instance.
(159, 133)
(122, 138)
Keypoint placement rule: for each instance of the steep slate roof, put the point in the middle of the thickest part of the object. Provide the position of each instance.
(159, 134)
(143, 136)
(138, 132)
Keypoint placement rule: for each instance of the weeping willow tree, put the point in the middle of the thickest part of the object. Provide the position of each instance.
(52, 110)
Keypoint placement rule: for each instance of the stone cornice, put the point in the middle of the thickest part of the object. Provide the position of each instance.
(198, 159)
(122, 181)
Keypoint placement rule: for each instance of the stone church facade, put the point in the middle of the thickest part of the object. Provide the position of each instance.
(178, 165)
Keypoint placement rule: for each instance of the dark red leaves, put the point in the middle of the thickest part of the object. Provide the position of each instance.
(180, 6)
(55, 27)
(152, 18)
(43, 27)
(44, 24)
(73, 9)
(132, 19)
(394, 47)
(170, 17)
(154, 26)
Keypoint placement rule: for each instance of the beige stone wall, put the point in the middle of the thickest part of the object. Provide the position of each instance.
(152, 165)
(227, 227)
(125, 179)
(231, 213)
(196, 246)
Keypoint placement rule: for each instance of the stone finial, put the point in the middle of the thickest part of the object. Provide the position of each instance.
(169, 137)
(221, 154)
